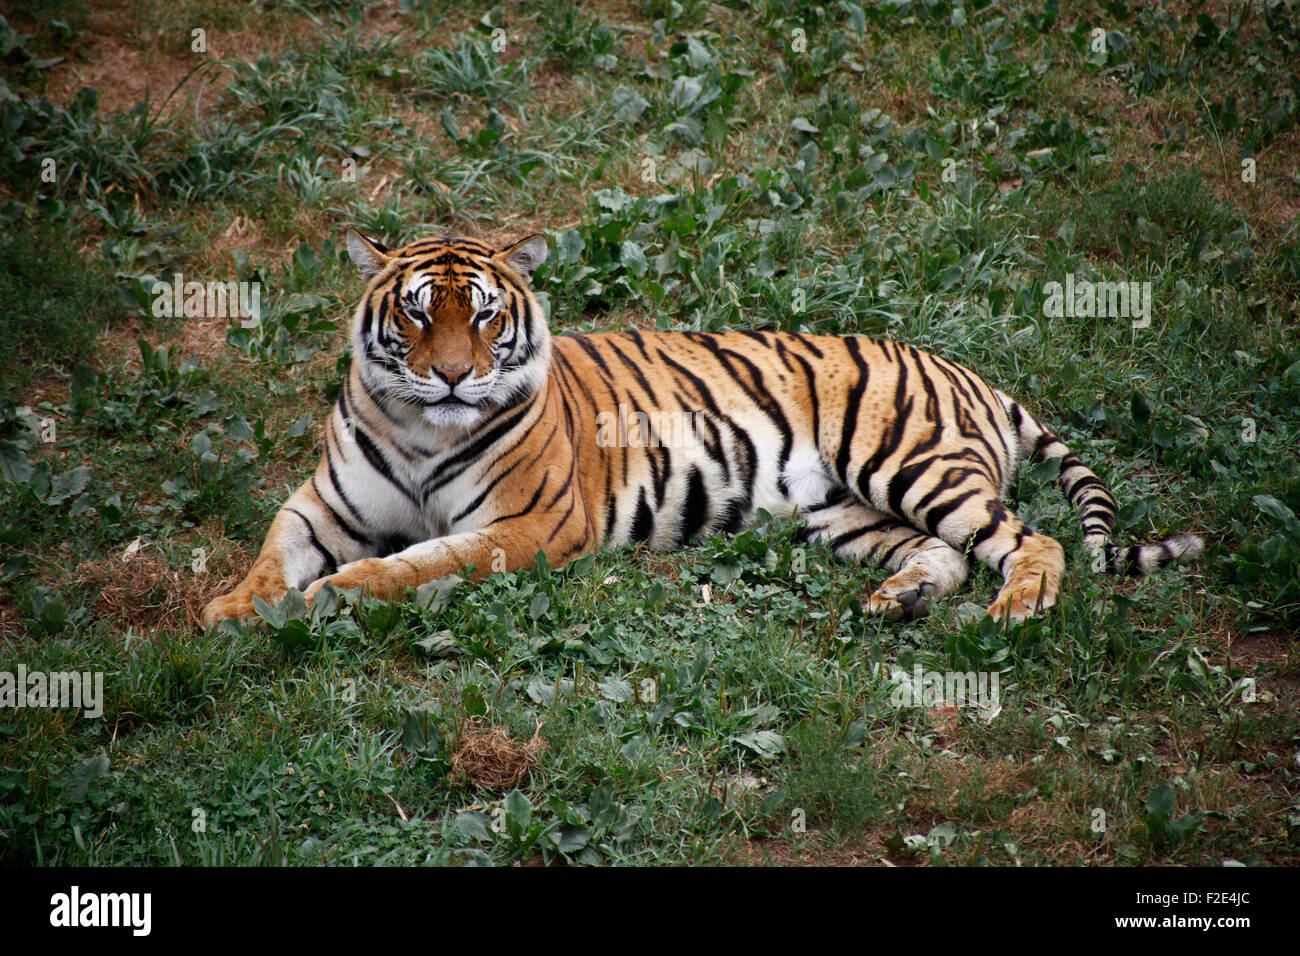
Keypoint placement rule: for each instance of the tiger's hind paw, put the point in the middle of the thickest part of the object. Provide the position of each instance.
(1022, 599)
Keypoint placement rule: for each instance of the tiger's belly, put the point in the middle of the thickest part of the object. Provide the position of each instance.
(714, 476)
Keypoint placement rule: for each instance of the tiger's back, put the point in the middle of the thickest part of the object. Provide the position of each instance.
(692, 432)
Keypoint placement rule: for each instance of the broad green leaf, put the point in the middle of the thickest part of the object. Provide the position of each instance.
(571, 839)
(616, 690)
(268, 612)
(627, 105)
(432, 595)
(299, 428)
(1273, 508)
(1162, 802)
(518, 808)
(420, 734)
(15, 468)
(472, 826)
(441, 644)
(942, 835)
(68, 485)
(765, 743)
(83, 775)
(538, 605)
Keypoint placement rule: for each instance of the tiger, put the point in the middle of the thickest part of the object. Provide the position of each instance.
(467, 439)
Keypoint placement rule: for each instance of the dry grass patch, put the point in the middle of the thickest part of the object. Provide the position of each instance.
(487, 756)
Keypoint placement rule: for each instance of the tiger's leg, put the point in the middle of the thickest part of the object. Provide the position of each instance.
(506, 545)
(924, 566)
(1031, 564)
(307, 539)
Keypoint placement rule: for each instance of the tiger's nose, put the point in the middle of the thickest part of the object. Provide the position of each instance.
(453, 375)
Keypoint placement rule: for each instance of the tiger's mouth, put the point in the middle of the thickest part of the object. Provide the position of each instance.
(466, 394)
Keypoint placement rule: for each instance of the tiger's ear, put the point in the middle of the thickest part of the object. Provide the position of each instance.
(525, 256)
(367, 254)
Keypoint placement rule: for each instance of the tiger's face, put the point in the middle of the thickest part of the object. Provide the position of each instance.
(450, 327)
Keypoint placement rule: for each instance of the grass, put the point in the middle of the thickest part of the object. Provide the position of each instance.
(916, 171)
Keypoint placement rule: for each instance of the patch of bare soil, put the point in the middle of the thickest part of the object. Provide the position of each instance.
(121, 75)
(124, 73)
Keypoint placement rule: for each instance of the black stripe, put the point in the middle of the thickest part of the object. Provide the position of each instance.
(834, 497)
(1020, 537)
(338, 488)
(528, 508)
(635, 336)
(695, 510)
(997, 515)
(663, 458)
(760, 397)
(356, 536)
(379, 463)
(784, 354)
(979, 387)
(884, 558)
(391, 544)
(711, 438)
(848, 537)
(851, 411)
(731, 518)
(892, 439)
(478, 502)
(564, 519)
(331, 562)
(568, 483)
(611, 504)
(949, 478)
(644, 523)
(634, 369)
(591, 351)
(935, 515)
(815, 410)
(738, 434)
(1086, 481)
(805, 339)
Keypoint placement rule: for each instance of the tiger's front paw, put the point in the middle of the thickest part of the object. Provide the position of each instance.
(908, 605)
(370, 574)
(231, 607)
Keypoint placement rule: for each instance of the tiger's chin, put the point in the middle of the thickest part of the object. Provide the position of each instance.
(453, 415)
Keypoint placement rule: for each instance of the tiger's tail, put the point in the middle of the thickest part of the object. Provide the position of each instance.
(1096, 506)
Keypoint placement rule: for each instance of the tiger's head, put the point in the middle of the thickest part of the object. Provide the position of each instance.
(450, 326)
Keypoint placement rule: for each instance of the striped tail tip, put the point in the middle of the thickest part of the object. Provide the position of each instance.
(1150, 558)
